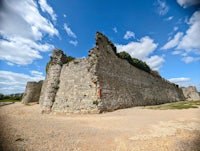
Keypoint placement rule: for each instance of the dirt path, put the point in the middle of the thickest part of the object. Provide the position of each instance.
(25, 128)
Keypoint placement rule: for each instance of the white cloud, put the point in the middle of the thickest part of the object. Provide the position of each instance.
(64, 15)
(36, 74)
(142, 50)
(175, 28)
(187, 3)
(129, 34)
(70, 33)
(73, 42)
(192, 36)
(162, 7)
(46, 8)
(115, 29)
(169, 18)
(176, 52)
(10, 64)
(22, 29)
(155, 62)
(27, 50)
(11, 82)
(179, 80)
(185, 82)
(187, 45)
(174, 42)
(188, 59)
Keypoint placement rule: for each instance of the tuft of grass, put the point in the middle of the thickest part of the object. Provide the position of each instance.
(9, 100)
(176, 105)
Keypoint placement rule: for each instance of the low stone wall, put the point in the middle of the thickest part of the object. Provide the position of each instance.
(191, 93)
(32, 92)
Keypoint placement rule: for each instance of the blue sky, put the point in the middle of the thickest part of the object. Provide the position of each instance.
(164, 34)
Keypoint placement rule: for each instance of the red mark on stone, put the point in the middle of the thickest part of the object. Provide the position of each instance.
(99, 93)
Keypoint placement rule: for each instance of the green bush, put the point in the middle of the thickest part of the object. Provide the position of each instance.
(96, 102)
(47, 66)
(70, 58)
(134, 61)
(140, 64)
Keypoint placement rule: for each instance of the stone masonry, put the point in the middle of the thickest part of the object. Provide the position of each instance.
(191, 93)
(51, 83)
(32, 92)
(101, 82)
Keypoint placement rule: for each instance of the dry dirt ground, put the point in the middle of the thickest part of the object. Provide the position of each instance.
(25, 128)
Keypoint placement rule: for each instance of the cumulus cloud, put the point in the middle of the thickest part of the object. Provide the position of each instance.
(129, 34)
(142, 50)
(187, 3)
(162, 7)
(70, 33)
(11, 82)
(187, 45)
(73, 42)
(18, 53)
(46, 8)
(22, 29)
(155, 62)
(192, 36)
(174, 42)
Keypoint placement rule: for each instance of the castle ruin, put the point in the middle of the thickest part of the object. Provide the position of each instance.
(101, 82)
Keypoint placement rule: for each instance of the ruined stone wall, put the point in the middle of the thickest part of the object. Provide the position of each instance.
(102, 82)
(32, 92)
(51, 83)
(123, 85)
(77, 92)
(191, 93)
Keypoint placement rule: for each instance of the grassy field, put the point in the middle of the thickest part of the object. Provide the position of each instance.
(9, 100)
(175, 105)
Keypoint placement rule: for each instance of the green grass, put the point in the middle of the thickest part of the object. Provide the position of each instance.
(175, 105)
(9, 100)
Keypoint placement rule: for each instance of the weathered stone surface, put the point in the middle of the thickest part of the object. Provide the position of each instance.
(101, 82)
(191, 93)
(123, 85)
(32, 92)
(76, 91)
(51, 83)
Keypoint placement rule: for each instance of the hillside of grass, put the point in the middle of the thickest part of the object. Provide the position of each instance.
(175, 105)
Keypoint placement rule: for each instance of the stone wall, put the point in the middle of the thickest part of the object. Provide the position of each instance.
(123, 85)
(51, 83)
(101, 82)
(32, 92)
(191, 93)
(77, 93)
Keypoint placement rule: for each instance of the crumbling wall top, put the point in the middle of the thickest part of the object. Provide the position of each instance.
(58, 57)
